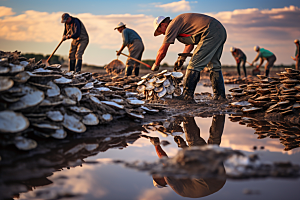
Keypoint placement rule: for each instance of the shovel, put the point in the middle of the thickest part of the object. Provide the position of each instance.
(136, 60)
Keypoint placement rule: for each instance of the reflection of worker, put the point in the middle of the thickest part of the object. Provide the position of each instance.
(135, 46)
(200, 187)
(76, 30)
(194, 29)
(239, 57)
(297, 57)
(264, 54)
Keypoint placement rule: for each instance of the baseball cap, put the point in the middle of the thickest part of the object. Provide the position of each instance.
(64, 17)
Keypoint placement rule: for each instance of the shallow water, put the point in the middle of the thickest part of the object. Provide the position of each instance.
(86, 172)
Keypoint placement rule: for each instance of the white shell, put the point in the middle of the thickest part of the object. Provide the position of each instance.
(162, 93)
(55, 116)
(119, 101)
(73, 92)
(11, 122)
(33, 97)
(4, 70)
(136, 102)
(59, 134)
(22, 77)
(136, 116)
(88, 86)
(90, 119)
(160, 81)
(5, 83)
(54, 91)
(73, 124)
(107, 117)
(62, 80)
(68, 102)
(95, 100)
(141, 88)
(103, 89)
(113, 104)
(80, 109)
(146, 76)
(16, 68)
(148, 110)
(47, 102)
(46, 126)
(162, 72)
(166, 83)
(171, 89)
(24, 143)
(177, 74)
(141, 82)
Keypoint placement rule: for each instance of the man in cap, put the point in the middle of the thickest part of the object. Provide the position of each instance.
(297, 57)
(194, 29)
(75, 29)
(239, 57)
(135, 46)
(264, 54)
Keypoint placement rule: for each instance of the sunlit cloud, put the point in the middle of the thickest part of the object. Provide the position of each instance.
(5, 11)
(177, 6)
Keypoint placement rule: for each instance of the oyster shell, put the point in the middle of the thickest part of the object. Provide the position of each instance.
(11, 122)
(23, 143)
(73, 93)
(55, 116)
(90, 119)
(5, 83)
(73, 124)
(54, 91)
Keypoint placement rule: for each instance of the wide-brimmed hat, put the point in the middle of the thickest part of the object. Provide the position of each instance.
(120, 24)
(64, 17)
(157, 21)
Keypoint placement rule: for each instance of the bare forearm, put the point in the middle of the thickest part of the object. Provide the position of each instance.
(188, 48)
(162, 52)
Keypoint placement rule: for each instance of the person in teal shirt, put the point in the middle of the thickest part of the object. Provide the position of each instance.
(297, 57)
(264, 54)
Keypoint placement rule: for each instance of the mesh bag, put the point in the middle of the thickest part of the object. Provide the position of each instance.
(115, 67)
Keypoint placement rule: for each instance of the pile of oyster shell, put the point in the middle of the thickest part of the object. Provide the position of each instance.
(276, 94)
(161, 85)
(44, 100)
(288, 134)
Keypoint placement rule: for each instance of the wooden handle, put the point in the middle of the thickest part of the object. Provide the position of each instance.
(136, 60)
(54, 50)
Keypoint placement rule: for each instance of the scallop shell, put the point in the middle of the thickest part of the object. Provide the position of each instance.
(32, 98)
(62, 80)
(5, 83)
(54, 91)
(11, 122)
(23, 143)
(90, 119)
(73, 92)
(73, 124)
(55, 116)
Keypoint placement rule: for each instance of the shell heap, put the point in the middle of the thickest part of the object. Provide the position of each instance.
(49, 102)
(164, 84)
(277, 94)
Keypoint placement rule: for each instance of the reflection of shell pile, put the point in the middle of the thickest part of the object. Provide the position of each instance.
(115, 67)
(164, 84)
(166, 128)
(270, 95)
(46, 101)
(288, 134)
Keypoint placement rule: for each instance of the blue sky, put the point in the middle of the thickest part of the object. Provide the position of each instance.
(34, 25)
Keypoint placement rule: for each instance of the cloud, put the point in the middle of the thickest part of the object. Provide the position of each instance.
(4, 11)
(274, 29)
(178, 6)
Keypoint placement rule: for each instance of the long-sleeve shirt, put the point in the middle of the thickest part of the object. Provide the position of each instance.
(76, 28)
(263, 53)
(297, 51)
(129, 35)
(238, 54)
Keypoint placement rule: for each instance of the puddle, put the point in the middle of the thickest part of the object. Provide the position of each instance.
(82, 168)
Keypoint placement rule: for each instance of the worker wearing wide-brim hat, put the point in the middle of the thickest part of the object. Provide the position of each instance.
(74, 29)
(264, 54)
(239, 57)
(194, 29)
(134, 43)
(297, 55)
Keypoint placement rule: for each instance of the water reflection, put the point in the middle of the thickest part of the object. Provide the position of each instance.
(287, 134)
(195, 187)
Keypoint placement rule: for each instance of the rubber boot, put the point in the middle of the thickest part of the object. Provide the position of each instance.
(267, 72)
(136, 71)
(72, 65)
(78, 65)
(189, 85)
(128, 70)
(217, 83)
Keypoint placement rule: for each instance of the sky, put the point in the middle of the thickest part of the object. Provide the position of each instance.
(33, 26)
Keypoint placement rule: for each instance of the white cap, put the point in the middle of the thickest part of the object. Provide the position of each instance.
(120, 24)
(256, 48)
(296, 41)
(232, 49)
(157, 22)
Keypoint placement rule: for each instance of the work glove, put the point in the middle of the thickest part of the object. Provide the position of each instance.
(155, 67)
(179, 62)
